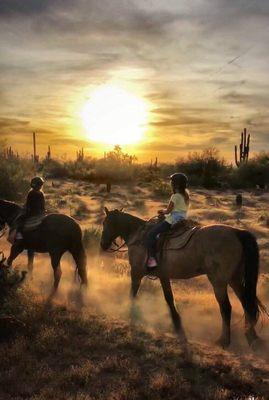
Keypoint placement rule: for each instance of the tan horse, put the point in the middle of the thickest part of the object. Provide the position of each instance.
(228, 256)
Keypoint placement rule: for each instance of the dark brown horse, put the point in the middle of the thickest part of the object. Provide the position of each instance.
(228, 256)
(56, 234)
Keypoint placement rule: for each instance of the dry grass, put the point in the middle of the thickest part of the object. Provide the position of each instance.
(64, 354)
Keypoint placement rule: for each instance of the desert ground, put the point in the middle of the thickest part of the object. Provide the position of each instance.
(65, 351)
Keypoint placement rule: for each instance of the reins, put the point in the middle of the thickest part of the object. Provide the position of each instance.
(118, 248)
(2, 233)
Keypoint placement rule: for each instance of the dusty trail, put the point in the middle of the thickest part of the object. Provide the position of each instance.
(68, 350)
(108, 295)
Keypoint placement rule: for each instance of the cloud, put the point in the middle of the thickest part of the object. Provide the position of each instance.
(202, 66)
(250, 100)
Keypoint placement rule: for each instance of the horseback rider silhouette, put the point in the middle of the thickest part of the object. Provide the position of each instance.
(34, 207)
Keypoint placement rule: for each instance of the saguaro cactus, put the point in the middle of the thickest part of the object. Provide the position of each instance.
(243, 149)
(80, 155)
(35, 156)
(48, 155)
(9, 154)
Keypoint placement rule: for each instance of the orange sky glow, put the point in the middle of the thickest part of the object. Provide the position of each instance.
(161, 78)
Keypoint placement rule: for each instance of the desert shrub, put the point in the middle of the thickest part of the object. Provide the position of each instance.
(252, 174)
(14, 177)
(161, 188)
(205, 168)
(91, 238)
(115, 166)
(139, 204)
(144, 173)
(55, 169)
(81, 210)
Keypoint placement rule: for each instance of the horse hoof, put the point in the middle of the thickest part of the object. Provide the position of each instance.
(223, 343)
(258, 345)
(183, 341)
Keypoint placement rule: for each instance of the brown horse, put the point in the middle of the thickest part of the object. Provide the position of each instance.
(57, 234)
(228, 256)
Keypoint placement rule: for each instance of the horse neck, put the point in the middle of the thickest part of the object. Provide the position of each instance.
(9, 211)
(129, 225)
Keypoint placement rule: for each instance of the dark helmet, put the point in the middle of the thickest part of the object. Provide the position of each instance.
(179, 179)
(37, 182)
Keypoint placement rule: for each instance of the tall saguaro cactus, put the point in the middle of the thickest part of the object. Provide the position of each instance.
(243, 149)
(80, 155)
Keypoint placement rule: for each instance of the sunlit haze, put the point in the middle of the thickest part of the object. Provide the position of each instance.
(115, 116)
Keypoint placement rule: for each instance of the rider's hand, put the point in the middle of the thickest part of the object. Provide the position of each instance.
(161, 212)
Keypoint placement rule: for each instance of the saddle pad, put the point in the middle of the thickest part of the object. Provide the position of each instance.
(180, 241)
(33, 223)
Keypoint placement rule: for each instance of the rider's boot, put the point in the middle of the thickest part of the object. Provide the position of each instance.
(152, 264)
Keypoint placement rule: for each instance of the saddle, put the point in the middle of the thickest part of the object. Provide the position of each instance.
(33, 223)
(30, 224)
(179, 235)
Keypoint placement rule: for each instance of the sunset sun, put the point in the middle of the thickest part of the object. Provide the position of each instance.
(113, 115)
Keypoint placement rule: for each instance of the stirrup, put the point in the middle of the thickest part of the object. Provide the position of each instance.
(149, 273)
(152, 277)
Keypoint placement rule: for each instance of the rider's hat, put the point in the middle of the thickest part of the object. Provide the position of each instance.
(179, 179)
(37, 182)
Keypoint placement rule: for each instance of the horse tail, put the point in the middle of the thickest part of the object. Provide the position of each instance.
(78, 252)
(251, 271)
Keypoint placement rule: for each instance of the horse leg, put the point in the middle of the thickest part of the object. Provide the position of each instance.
(81, 263)
(222, 298)
(16, 249)
(168, 294)
(135, 285)
(31, 255)
(134, 311)
(55, 262)
(250, 332)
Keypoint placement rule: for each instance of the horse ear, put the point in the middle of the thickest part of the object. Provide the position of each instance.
(106, 210)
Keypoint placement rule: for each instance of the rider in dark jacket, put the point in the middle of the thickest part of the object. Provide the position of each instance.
(35, 205)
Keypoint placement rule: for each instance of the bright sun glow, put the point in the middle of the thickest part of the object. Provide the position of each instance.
(114, 116)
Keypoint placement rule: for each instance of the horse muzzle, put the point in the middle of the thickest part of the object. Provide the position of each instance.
(104, 245)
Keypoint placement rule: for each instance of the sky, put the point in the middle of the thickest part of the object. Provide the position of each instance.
(201, 67)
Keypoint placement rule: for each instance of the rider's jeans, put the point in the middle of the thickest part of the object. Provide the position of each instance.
(151, 238)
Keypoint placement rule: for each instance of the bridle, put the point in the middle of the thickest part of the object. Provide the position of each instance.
(118, 248)
(3, 231)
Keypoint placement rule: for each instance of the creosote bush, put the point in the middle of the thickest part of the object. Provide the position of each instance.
(14, 177)
(205, 169)
(91, 238)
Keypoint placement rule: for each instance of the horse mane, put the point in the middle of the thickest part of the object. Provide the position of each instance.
(133, 218)
(3, 201)
(127, 223)
(8, 203)
(8, 209)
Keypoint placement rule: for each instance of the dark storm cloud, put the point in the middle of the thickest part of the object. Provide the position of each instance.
(13, 8)
(85, 17)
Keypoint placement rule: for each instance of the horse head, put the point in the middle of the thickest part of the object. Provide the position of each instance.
(111, 228)
(118, 224)
(8, 212)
